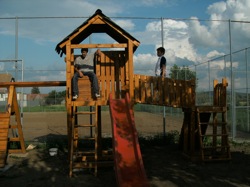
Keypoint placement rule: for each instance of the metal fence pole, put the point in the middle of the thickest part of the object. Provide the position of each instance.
(164, 109)
(247, 89)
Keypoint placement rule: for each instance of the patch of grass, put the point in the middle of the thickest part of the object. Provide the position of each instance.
(169, 138)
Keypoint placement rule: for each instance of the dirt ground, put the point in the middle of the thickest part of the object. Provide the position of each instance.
(165, 166)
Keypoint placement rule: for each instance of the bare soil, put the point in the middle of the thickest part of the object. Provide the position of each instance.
(164, 164)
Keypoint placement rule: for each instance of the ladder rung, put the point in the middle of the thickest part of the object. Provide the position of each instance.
(89, 138)
(203, 123)
(84, 138)
(84, 153)
(14, 139)
(83, 113)
(215, 147)
(92, 164)
(13, 127)
(82, 165)
(91, 152)
(214, 135)
(84, 125)
(211, 124)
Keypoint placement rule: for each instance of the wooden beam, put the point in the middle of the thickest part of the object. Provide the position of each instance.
(131, 70)
(33, 84)
(116, 45)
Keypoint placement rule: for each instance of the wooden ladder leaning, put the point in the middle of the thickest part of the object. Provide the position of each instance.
(6, 123)
(80, 159)
(213, 135)
(85, 151)
(212, 132)
(205, 138)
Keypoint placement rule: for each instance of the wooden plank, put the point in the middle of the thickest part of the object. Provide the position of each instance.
(166, 91)
(148, 85)
(4, 129)
(3, 156)
(84, 88)
(4, 115)
(137, 87)
(143, 88)
(160, 90)
(10, 98)
(178, 93)
(117, 77)
(216, 93)
(4, 123)
(33, 84)
(3, 144)
(112, 45)
(130, 70)
(155, 90)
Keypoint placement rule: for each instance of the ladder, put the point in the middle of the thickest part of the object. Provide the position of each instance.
(212, 133)
(204, 133)
(87, 158)
(6, 124)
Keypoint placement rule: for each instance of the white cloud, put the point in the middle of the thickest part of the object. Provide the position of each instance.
(200, 35)
(214, 54)
(234, 10)
(125, 24)
(144, 64)
(176, 38)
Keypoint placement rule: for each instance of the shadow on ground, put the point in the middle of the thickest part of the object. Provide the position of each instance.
(164, 165)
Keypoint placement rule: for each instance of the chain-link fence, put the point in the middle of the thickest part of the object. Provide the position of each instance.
(234, 65)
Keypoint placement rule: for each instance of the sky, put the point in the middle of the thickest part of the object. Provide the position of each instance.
(194, 31)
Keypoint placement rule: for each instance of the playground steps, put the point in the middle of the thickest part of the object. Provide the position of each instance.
(212, 132)
(86, 152)
(7, 124)
(204, 135)
(4, 129)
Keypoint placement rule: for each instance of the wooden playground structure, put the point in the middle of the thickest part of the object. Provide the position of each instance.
(114, 69)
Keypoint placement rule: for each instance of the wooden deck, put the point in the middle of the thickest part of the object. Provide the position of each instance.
(147, 90)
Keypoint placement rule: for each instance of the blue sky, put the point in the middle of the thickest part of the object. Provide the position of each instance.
(194, 31)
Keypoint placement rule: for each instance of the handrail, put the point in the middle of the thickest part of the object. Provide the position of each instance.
(33, 84)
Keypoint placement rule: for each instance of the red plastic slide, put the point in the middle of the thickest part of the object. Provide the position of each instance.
(128, 162)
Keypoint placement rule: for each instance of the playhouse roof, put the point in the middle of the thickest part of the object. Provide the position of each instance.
(97, 23)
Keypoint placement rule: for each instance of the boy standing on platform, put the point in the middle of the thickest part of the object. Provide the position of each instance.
(160, 67)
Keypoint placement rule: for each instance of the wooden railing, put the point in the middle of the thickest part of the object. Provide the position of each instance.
(152, 90)
(164, 91)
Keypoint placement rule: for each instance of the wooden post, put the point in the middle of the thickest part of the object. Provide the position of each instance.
(131, 70)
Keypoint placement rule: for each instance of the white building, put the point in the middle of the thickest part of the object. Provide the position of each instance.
(20, 97)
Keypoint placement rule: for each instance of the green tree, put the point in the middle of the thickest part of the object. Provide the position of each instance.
(183, 73)
(55, 97)
(35, 90)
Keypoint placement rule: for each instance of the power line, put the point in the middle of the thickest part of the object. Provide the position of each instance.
(120, 17)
